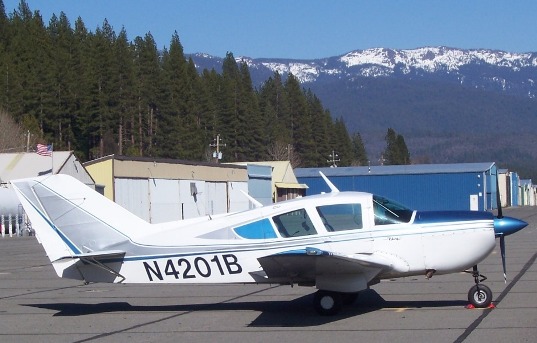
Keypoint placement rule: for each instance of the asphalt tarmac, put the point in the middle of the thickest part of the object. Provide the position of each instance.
(37, 306)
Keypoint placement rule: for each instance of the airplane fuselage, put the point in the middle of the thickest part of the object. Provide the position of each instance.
(340, 243)
(212, 253)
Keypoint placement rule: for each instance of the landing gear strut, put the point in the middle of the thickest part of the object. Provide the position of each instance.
(480, 296)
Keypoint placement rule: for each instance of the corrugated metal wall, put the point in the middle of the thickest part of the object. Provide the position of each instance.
(260, 183)
(448, 191)
(133, 194)
(514, 189)
(163, 200)
(216, 197)
(237, 200)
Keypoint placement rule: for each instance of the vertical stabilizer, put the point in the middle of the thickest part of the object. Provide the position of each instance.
(70, 218)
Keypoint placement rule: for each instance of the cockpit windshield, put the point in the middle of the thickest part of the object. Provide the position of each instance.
(390, 212)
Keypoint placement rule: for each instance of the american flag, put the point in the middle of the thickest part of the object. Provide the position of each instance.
(44, 150)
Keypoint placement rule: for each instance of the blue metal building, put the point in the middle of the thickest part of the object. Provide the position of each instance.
(465, 186)
(515, 181)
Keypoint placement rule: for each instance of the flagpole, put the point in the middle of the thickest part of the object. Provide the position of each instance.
(52, 158)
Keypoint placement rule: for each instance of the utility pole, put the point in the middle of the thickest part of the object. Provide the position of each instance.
(333, 159)
(217, 154)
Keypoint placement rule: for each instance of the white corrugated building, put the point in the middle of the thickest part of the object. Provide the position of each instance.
(22, 165)
(160, 190)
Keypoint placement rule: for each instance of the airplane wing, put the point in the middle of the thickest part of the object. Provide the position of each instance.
(328, 270)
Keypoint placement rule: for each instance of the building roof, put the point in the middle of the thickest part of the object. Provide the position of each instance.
(29, 164)
(162, 160)
(282, 172)
(162, 168)
(397, 170)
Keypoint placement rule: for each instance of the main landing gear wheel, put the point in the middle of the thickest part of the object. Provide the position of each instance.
(480, 296)
(327, 303)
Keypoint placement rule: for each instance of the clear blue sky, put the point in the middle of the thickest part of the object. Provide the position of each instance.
(309, 28)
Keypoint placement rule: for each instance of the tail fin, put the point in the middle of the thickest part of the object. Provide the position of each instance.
(71, 219)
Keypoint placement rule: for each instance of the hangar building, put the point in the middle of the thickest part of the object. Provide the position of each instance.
(160, 190)
(465, 186)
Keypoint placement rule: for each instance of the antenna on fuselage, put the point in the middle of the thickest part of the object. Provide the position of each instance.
(333, 189)
(254, 202)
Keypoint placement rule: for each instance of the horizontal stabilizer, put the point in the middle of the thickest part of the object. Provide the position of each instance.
(96, 255)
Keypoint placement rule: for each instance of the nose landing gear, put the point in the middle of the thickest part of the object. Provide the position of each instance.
(480, 296)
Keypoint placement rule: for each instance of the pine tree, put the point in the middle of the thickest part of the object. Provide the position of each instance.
(201, 112)
(228, 108)
(343, 143)
(359, 153)
(81, 89)
(5, 28)
(322, 129)
(104, 93)
(182, 134)
(275, 115)
(143, 132)
(396, 152)
(251, 133)
(126, 93)
(61, 118)
(300, 121)
(98, 93)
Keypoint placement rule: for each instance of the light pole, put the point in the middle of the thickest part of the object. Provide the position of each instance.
(217, 154)
(333, 159)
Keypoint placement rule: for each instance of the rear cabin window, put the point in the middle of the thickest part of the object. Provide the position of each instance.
(390, 212)
(341, 217)
(294, 224)
(261, 229)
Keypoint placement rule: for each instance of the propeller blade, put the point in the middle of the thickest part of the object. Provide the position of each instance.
(498, 200)
(502, 251)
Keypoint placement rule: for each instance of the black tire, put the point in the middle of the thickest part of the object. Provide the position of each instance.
(327, 303)
(480, 296)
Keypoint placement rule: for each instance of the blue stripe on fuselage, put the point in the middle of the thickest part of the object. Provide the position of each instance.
(430, 217)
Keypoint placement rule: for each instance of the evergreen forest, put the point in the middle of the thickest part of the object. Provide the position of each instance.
(98, 93)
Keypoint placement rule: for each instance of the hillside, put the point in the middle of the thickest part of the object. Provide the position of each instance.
(451, 105)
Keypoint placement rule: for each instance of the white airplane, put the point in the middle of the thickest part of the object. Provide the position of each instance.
(339, 242)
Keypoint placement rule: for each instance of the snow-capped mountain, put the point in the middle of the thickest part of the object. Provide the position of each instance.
(451, 105)
(514, 73)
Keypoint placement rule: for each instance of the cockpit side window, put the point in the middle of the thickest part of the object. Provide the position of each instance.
(294, 224)
(390, 212)
(341, 217)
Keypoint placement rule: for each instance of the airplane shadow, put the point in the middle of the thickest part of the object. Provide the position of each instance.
(295, 313)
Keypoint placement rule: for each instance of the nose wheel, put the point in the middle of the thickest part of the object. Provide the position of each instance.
(480, 296)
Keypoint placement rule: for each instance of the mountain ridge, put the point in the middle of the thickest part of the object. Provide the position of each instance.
(452, 105)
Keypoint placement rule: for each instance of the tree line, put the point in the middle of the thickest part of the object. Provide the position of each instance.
(98, 93)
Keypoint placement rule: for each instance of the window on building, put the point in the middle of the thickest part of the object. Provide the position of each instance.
(294, 224)
(341, 217)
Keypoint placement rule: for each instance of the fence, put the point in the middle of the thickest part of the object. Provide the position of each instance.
(14, 225)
